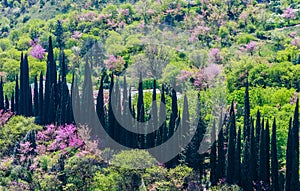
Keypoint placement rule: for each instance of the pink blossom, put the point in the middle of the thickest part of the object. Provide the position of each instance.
(38, 52)
(289, 13)
(5, 116)
(25, 147)
(193, 38)
(296, 42)
(250, 48)
(114, 63)
(151, 11)
(33, 42)
(121, 24)
(76, 35)
(212, 71)
(185, 75)
(214, 56)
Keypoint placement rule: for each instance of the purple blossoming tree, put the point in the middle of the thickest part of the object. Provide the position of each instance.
(214, 56)
(38, 52)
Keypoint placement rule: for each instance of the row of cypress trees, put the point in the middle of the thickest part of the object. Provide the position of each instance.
(247, 158)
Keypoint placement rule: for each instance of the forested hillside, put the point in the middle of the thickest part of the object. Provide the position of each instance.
(149, 95)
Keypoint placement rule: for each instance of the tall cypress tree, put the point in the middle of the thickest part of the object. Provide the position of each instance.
(185, 123)
(289, 157)
(2, 107)
(237, 159)
(59, 33)
(231, 147)
(87, 104)
(247, 121)
(274, 174)
(257, 135)
(17, 95)
(21, 96)
(163, 112)
(154, 116)
(262, 157)
(12, 102)
(111, 116)
(221, 154)
(213, 157)
(140, 111)
(36, 97)
(41, 98)
(253, 154)
(267, 142)
(51, 82)
(295, 151)
(245, 179)
(6, 103)
(174, 114)
(100, 102)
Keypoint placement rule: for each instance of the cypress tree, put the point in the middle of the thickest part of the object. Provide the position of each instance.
(231, 147)
(17, 95)
(237, 159)
(267, 142)
(295, 151)
(289, 157)
(213, 156)
(274, 174)
(154, 116)
(2, 107)
(245, 179)
(36, 97)
(59, 33)
(22, 88)
(247, 112)
(6, 103)
(12, 102)
(25, 96)
(253, 154)
(87, 104)
(41, 100)
(140, 111)
(262, 157)
(163, 112)
(100, 103)
(221, 154)
(140, 104)
(174, 114)
(185, 123)
(51, 81)
(257, 130)
(111, 116)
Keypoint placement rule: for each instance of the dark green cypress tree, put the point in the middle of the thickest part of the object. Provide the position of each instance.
(21, 96)
(257, 135)
(12, 102)
(237, 159)
(274, 174)
(17, 95)
(174, 114)
(295, 151)
(25, 96)
(289, 157)
(245, 179)
(185, 123)
(51, 81)
(41, 99)
(140, 104)
(100, 102)
(231, 147)
(253, 154)
(262, 173)
(154, 116)
(267, 139)
(87, 104)
(2, 106)
(36, 97)
(6, 103)
(247, 121)
(221, 154)
(213, 157)
(141, 111)
(163, 112)
(59, 33)
(111, 116)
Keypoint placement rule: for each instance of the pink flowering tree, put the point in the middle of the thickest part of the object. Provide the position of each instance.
(115, 63)
(250, 48)
(214, 56)
(5, 116)
(76, 35)
(289, 14)
(296, 42)
(38, 52)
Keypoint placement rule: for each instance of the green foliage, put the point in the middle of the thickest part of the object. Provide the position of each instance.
(133, 159)
(108, 180)
(13, 131)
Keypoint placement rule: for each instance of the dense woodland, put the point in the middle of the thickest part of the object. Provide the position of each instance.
(69, 67)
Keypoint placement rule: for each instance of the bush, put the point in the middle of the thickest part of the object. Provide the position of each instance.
(13, 131)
